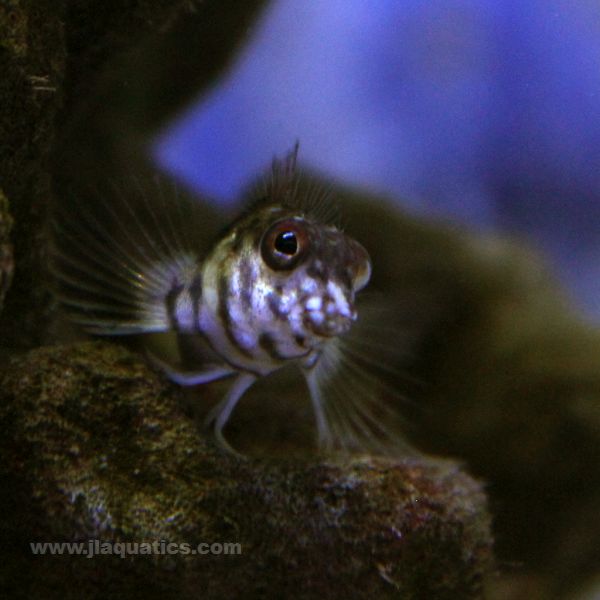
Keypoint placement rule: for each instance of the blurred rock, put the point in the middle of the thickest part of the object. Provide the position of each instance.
(509, 382)
(96, 446)
(131, 66)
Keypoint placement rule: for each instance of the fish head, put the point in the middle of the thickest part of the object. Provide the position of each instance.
(282, 281)
(315, 269)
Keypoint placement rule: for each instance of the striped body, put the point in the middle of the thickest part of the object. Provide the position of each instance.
(257, 319)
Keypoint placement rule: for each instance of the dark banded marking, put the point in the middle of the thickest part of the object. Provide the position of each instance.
(228, 360)
(225, 317)
(318, 274)
(195, 291)
(346, 277)
(246, 282)
(267, 343)
(300, 340)
(171, 303)
(274, 304)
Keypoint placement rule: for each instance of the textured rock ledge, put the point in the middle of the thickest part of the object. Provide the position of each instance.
(96, 446)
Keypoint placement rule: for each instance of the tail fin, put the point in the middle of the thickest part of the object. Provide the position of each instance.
(118, 251)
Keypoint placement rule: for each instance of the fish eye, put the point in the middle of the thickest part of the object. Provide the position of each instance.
(284, 244)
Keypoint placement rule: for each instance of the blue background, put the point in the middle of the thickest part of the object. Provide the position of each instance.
(483, 112)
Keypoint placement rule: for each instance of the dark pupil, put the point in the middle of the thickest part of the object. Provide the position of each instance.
(286, 243)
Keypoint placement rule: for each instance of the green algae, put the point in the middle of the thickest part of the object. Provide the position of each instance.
(6, 256)
(96, 446)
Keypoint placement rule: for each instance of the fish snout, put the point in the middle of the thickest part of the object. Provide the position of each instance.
(330, 315)
(360, 265)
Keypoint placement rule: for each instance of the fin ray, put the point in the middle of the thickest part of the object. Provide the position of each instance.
(355, 393)
(116, 254)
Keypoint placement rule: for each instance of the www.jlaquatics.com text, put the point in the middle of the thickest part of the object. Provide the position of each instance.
(94, 547)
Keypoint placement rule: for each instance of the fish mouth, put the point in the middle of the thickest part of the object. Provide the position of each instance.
(328, 321)
(330, 328)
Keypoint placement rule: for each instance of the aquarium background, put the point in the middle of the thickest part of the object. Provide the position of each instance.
(485, 113)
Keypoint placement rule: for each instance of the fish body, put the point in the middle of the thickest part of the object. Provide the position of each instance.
(258, 311)
(278, 286)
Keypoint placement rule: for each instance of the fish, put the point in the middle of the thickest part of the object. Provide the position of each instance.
(278, 286)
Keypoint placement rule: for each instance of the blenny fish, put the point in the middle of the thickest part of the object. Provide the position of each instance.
(277, 287)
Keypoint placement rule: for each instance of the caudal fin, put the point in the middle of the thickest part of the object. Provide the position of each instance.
(117, 252)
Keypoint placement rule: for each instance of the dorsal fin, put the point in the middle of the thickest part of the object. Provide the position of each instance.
(285, 184)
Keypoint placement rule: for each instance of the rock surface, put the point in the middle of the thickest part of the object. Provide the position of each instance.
(32, 59)
(95, 445)
(6, 254)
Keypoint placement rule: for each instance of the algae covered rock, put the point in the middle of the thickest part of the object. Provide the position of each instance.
(31, 70)
(6, 257)
(96, 446)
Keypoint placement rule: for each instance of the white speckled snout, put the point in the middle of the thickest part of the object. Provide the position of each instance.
(329, 314)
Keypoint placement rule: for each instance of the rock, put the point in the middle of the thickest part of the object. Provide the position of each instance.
(6, 256)
(96, 446)
(32, 63)
(511, 384)
(81, 88)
